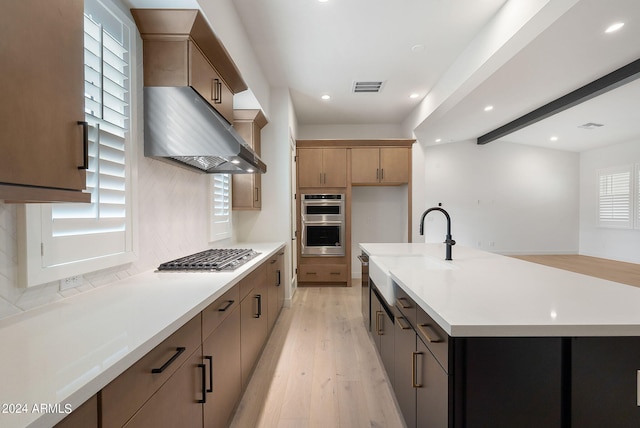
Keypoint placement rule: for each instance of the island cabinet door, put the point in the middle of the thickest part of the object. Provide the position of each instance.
(509, 382)
(432, 389)
(605, 382)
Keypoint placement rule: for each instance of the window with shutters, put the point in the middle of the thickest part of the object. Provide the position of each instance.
(221, 227)
(70, 239)
(615, 197)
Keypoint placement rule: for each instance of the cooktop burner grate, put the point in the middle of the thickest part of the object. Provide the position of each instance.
(213, 260)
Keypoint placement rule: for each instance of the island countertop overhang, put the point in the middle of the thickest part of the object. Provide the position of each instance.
(489, 295)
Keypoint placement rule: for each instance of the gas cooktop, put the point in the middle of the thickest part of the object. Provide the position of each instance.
(213, 260)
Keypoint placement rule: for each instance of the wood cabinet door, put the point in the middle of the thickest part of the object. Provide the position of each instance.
(280, 280)
(365, 165)
(42, 87)
(310, 168)
(272, 299)
(253, 324)
(176, 404)
(85, 416)
(334, 162)
(432, 390)
(208, 83)
(247, 188)
(221, 353)
(394, 165)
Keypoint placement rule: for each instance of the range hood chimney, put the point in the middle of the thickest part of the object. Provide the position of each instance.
(181, 127)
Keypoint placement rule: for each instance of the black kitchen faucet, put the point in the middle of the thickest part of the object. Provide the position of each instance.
(449, 241)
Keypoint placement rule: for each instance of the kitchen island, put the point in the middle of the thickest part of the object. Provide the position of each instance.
(56, 357)
(518, 344)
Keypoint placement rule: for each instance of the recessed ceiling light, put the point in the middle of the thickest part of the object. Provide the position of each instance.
(614, 27)
(414, 95)
(488, 108)
(323, 1)
(326, 97)
(417, 48)
(438, 140)
(554, 138)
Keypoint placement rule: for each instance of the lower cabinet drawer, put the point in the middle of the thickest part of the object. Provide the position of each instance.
(216, 312)
(434, 337)
(406, 305)
(323, 273)
(122, 398)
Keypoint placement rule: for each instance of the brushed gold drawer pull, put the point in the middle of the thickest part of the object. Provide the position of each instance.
(401, 321)
(379, 323)
(429, 333)
(414, 370)
(404, 304)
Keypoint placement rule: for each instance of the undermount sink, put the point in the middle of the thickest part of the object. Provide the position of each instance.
(379, 267)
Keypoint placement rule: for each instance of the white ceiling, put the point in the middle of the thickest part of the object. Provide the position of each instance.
(316, 48)
(321, 48)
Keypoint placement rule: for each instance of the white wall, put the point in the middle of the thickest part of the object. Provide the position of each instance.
(378, 214)
(504, 198)
(616, 244)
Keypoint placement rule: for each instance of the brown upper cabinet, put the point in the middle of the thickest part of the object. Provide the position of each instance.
(180, 49)
(247, 188)
(43, 152)
(384, 165)
(322, 167)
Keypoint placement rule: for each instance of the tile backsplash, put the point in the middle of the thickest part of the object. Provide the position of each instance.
(172, 205)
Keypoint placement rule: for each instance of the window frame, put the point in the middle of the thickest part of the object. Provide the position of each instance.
(632, 204)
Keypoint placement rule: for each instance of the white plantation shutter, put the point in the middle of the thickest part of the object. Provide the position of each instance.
(220, 207)
(78, 238)
(615, 197)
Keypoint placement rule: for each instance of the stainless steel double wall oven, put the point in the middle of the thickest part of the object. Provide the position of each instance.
(323, 225)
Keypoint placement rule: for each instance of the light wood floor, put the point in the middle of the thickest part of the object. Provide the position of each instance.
(319, 368)
(612, 270)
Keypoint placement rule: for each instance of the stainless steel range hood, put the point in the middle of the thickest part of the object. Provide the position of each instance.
(182, 128)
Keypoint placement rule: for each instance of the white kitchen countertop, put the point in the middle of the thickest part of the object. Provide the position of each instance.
(67, 351)
(487, 294)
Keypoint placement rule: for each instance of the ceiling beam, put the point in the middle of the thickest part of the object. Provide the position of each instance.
(604, 84)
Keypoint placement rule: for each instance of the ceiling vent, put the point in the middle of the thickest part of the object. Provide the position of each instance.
(590, 125)
(367, 86)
